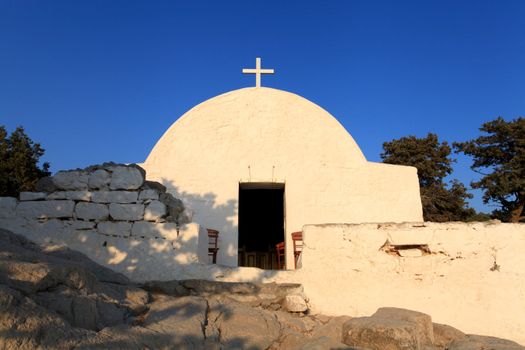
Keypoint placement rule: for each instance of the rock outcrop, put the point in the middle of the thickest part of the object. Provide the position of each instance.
(54, 298)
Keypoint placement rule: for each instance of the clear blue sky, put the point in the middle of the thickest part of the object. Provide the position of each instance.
(94, 81)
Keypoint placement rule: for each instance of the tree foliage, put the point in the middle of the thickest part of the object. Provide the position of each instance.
(500, 157)
(19, 157)
(433, 162)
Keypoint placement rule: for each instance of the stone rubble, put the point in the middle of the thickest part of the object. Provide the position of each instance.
(111, 197)
(295, 303)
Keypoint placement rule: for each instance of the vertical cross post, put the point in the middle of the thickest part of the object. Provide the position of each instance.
(257, 71)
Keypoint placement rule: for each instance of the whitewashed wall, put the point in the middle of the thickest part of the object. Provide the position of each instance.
(470, 276)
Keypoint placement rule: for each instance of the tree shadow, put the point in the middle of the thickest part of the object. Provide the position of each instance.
(165, 253)
(210, 214)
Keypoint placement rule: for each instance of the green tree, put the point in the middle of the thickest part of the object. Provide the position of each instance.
(433, 162)
(19, 157)
(500, 157)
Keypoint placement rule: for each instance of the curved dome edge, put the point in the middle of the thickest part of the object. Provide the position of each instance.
(227, 94)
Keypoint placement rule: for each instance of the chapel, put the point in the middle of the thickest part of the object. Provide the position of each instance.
(258, 163)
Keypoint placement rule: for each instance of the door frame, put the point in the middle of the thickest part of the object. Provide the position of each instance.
(262, 185)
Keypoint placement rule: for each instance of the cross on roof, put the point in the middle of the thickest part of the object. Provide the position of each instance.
(258, 71)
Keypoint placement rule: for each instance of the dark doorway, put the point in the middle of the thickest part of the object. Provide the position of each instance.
(261, 223)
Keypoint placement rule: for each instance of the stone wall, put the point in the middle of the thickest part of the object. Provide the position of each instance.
(468, 275)
(112, 214)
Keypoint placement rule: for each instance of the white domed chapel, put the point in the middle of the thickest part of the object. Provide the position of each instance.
(259, 163)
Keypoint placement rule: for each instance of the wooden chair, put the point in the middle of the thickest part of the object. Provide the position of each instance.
(279, 247)
(297, 238)
(213, 242)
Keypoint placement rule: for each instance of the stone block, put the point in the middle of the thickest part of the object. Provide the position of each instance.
(444, 335)
(423, 322)
(71, 180)
(126, 178)
(295, 303)
(149, 194)
(174, 205)
(119, 228)
(78, 195)
(99, 179)
(148, 229)
(379, 333)
(56, 195)
(46, 209)
(32, 196)
(7, 207)
(154, 185)
(131, 212)
(114, 197)
(84, 196)
(155, 210)
(46, 184)
(91, 211)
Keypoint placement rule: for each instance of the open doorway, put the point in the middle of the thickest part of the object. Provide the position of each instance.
(261, 223)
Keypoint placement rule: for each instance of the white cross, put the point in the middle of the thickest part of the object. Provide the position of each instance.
(258, 71)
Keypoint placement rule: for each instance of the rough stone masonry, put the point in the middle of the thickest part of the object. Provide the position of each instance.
(108, 211)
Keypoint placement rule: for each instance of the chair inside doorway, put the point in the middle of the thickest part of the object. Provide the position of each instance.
(261, 223)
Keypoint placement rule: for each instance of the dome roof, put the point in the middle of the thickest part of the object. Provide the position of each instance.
(259, 124)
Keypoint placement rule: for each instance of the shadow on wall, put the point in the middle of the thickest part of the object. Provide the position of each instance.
(142, 250)
(209, 214)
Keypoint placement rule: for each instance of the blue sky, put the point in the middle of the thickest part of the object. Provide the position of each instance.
(94, 81)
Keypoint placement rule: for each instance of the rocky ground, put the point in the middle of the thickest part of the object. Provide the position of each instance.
(55, 298)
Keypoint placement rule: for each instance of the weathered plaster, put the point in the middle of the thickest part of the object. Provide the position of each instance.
(472, 277)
